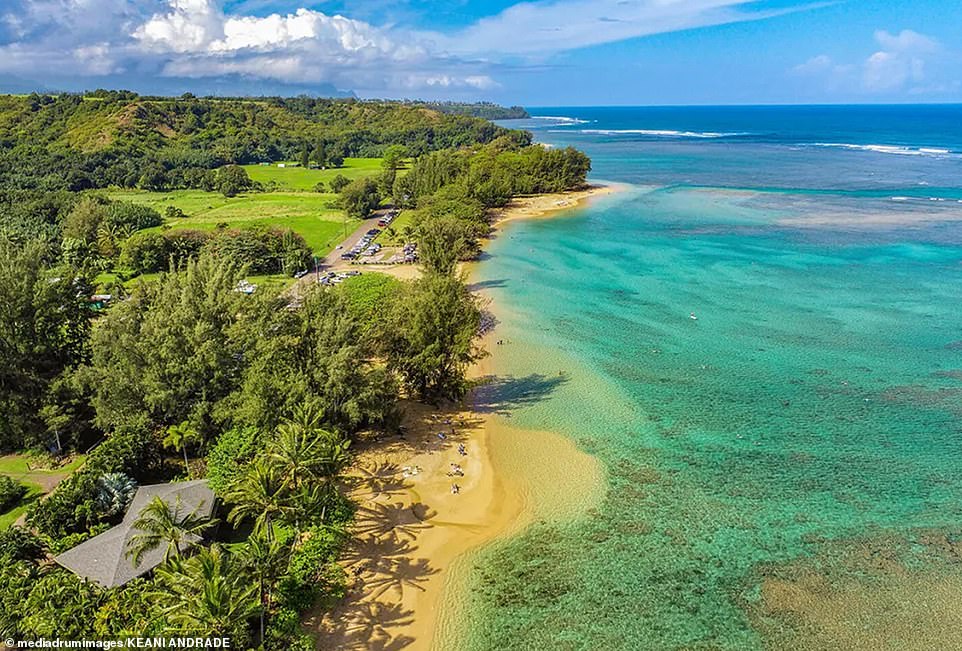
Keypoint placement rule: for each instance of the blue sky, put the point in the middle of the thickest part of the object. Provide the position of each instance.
(540, 52)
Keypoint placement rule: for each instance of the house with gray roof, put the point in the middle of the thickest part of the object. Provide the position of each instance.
(103, 559)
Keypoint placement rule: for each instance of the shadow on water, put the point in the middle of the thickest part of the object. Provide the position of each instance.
(494, 283)
(500, 394)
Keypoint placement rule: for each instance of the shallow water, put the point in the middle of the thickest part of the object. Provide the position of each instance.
(812, 406)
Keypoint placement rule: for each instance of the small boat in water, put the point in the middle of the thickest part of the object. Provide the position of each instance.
(692, 316)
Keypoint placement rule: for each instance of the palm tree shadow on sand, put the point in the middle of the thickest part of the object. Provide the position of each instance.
(379, 480)
(370, 626)
(403, 521)
(500, 394)
(398, 575)
(383, 563)
(384, 572)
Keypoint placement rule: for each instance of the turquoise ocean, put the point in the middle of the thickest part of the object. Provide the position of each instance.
(784, 470)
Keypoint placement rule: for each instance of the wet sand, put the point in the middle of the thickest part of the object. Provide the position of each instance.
(409, 558)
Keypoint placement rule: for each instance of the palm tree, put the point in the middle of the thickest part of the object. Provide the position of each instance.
(207, 595)
(260, 494)
(264, 560)
(334, 458)
(296, 451)
(109, 236)
(163, 524)
(308, 456)
(178, 436)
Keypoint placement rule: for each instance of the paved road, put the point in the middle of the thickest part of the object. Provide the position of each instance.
(333, 260)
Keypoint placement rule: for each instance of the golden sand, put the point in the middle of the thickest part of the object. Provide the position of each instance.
(409, 559)
(548, 205)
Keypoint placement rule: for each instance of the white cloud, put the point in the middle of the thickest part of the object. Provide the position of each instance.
(199, 27)
(548, 26)
(906, 41)
(900, 62)
(899, 66)
(815, 65)
(190, 25)
(417, 81)
(96, 58)
(197, 39)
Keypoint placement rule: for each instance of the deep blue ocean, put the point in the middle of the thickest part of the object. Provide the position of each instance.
(913, 151)
(784, 470)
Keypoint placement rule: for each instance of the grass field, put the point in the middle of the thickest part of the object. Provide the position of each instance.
(313, 215)
(404, 219)
(299, 178)
(294, 205)
(34, 493)
(21, 468)
(18, 465)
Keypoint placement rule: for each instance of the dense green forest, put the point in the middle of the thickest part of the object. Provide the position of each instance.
(187, 377)
(117, 138)
(485, 110)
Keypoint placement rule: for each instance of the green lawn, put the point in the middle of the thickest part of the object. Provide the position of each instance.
(299, 178)
(273, 280)
(404, 219)
(313, 215)
(16, 465)
(24, 468)
(34, 492)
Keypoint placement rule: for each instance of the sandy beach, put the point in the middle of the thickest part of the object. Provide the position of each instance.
(410, 554)
(549, 205)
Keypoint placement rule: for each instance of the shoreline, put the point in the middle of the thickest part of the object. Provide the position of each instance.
(409, 560)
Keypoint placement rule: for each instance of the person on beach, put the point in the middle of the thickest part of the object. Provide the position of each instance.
(462, 450)
(455, 489)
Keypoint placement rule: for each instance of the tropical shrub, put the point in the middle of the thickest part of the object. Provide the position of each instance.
(359, 198)
(74, 506)
(339, 182)
(131, 216)
(114, 492)
(232, 180)
(18, 544)
(151, 251)
(234, 448)
(313, 571)
(11, 492)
